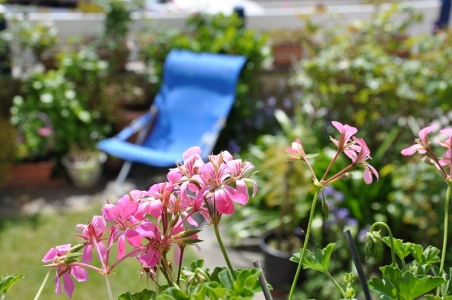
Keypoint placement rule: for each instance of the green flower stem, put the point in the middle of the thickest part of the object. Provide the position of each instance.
(38, 294)
(107, 281)
(335, 283)
(391, 239)
(446, 231)
(223, 250)
(305, 244)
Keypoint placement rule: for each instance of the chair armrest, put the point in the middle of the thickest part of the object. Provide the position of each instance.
(137, 125)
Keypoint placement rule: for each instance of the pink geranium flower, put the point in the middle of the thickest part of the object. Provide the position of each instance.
(422, 143)
(360, 159)
(93, 235)
(345, 142)
(57, 255)
(214, 173)
(296, 151)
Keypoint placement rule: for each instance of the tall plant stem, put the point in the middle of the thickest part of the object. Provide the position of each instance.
(305, 244)
(446, 230)
(335, 283)
(107, 281)
(38, 294)
(391, 239)
(223, 250)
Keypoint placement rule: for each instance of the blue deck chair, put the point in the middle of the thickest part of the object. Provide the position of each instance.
(197, 93)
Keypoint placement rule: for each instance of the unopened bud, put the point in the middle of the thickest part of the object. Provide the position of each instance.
(71, 257)
(347, 175)
(428, 160)
(373, 243)
(76, 248)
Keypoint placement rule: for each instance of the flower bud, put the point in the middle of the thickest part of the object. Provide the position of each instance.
(347, 175)
(373, 243)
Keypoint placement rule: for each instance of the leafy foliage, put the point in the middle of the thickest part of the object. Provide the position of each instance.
(199, 283)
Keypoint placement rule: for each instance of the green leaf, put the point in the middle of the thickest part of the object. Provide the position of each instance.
(143, 295)
(7, 281)
(247, 282)
(196, 264)
(176, 294)
(318, 260)
(409, 285)
(226, 279)
(427, 256)
(383, 287)
(402, 249)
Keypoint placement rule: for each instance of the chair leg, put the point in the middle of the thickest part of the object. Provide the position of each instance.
(122, 177)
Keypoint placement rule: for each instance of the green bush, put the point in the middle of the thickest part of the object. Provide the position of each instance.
(374, 76)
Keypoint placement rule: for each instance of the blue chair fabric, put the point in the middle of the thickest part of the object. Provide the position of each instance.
(197, 93)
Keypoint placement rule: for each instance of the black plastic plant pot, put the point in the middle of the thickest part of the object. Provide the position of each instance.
(279, 271)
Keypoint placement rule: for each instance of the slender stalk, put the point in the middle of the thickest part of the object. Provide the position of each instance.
(446, 230)
(107, 281)
(223, 250)
(391, 239)
(305, 243)
(329, 166)
(38, 294)
(335, 283)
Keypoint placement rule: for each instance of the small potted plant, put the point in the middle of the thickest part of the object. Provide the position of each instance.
(286, 45)
(114, 45)
(33, 147)
(38, 37)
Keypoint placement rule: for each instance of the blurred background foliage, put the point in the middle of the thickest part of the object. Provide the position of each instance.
(372, 75)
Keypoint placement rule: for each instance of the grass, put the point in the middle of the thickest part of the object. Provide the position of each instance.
(26, 239)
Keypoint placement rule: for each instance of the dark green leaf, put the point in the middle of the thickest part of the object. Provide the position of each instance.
(143, 295)
(408, 285)
(383, 287)
(318, 260)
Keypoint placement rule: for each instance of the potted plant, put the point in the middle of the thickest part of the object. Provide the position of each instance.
(286, 45)
(114, 45)
(38, 37)
(34, 144)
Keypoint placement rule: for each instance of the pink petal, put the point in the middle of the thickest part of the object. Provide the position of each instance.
(424, 132)
(50, 255)
(57, 285)
(191, 151)
(367, 176)
(79, 273)
(413, 149)
(121, 246)
(69, 285)
(133, 237)
(447, 131)
(155, 208)
(235, 195)
(223, 203)
(87, 255)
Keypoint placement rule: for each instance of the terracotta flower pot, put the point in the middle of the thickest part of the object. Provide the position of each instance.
(30, 174)
(283, 55)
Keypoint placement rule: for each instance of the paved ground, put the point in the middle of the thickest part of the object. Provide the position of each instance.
(64, 196)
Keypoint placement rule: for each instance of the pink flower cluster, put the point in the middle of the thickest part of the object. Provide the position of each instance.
(147, 224)
(355, 148)
(422, 146)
